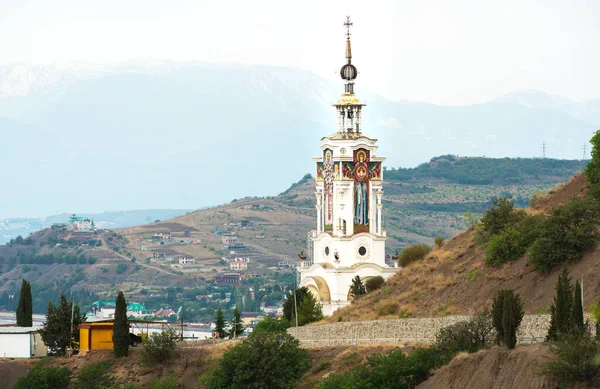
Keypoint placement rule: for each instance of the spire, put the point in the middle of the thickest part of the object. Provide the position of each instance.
(348, 24)
(348, 72)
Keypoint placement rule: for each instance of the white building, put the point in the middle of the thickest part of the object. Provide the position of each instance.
(238, 265)
(349, 239)
(186, 261)
(21, 342)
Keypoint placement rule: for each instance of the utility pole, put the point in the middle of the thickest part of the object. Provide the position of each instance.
(581, 284)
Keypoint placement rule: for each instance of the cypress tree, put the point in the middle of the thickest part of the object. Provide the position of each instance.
(236, 324)
(562, 307)
(497, 314)
(577, 314)
(507, 313)
(220, 324)
(121, 327)
(25, 306)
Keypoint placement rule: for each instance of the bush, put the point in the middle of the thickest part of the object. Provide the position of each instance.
(42, 377)
(168, 382)
(160, 347)
(566, 234)
(438, 240)
(395, 370)
(94, 376)
(271, 324)
(576, 360)
(507, 246)
(263, 360)
(121, 268)
(469, 336)
(374, 283)
(413, 253)
(388, 309)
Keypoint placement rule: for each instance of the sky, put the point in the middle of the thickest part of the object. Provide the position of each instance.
(443, 52)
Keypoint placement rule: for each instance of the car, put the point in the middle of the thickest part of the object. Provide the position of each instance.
(134, 339)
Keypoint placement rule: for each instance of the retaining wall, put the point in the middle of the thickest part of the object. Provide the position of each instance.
(532, 328)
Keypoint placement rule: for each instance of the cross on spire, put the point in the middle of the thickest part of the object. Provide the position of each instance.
(348, 24)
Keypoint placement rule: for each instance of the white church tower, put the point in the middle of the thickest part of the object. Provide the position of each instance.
(349, 239)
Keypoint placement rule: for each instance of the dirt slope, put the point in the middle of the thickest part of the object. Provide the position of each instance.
(497, 368)
(454, 279)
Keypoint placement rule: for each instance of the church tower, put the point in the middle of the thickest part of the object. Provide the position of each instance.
(349, 239)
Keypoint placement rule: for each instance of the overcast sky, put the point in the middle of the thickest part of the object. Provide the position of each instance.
(445, 52)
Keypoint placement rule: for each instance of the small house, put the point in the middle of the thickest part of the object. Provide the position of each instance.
(21, 342)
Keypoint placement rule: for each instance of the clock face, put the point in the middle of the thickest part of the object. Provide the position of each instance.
(343, 150)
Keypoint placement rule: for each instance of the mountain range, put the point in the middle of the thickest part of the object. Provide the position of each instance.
(87, 138)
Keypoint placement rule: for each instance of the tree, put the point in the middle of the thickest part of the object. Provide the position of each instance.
(220, 324)
(236, 324)
(577, 313)
(501, 214)
(121, 327)
(309, 309)
(57, 334)
(25, 307)
(562, 307)
(592, 169)
(263, 360)
(507, 313)
(357, 288)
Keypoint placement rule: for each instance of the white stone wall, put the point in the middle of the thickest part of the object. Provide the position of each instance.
(405, 330)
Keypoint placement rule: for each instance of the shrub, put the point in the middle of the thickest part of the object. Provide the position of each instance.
(413, 253)
(94, 376)
(374, 283)
(566, 234)
(388, 309)
(321, 366)
(576, 360)
(469, 336)
(263, 360)
(42, 377)
(395, 370)
(271, 324)
(121, 268)
(438, 240)
(506, 246)
(167, 382)
(160, 347)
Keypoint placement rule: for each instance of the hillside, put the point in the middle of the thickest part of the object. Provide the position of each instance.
(455, 280)
(274, 230)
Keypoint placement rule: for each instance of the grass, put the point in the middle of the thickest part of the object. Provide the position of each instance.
(325, 364)
(472, 276)
(444, 307)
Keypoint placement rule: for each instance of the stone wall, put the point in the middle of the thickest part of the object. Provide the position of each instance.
(533, 328)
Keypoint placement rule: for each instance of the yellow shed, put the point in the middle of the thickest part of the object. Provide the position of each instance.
(96, 336)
